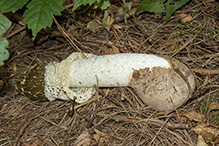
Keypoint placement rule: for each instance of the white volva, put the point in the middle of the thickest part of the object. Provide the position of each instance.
(111, 70)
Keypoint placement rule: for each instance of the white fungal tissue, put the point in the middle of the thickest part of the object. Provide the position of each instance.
(163, 83)
(111, 70)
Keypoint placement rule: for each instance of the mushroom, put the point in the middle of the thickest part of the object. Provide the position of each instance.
(160, 82)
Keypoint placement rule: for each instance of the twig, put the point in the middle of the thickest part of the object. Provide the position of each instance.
(21, 130)
(85, 103)
(142, 29)
(108, 98)
(185, 45)
(119, 118)
(206, 71)
(53, 123)
(65, 34)
(15, 32)
(210, 58)
(54, 141)
(204, 96)
(69, 6)
(136, 98)
(159, 130)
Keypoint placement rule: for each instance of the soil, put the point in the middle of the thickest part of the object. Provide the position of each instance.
(118, 117)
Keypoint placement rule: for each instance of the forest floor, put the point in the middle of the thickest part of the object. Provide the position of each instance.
(116, 118)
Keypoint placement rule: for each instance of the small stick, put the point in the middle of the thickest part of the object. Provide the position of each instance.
(65, 34)
(206, 71)
(159, 130)
(15, 32)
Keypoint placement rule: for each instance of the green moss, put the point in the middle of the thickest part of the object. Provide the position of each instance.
(205, 105)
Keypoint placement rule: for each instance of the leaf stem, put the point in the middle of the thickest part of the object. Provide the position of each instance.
(144, 32)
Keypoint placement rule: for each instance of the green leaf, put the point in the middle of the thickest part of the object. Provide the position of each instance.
(108, 20)
(4, 54)
(92, 25)
(39, 16)
(155, 6)
(124, 8)
(4, 25)
(83, 2)
(173, 5)
(103, 4)
(11, 5)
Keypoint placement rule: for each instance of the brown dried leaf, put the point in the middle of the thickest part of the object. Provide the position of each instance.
(209, 134)
(123, 10)
(14, 67)
(183, 118)
(97, 137)
(194, 116)
(22, 129)
(107, 21)
(201, 141)
(91, 25)
(35, 142)
(185, 18)
(107, 135)
(72, 30)
(1, 84)
(107, 92)
(116, 26)
(113, 50)
(213, 106)
(123, 119)
(84, 139)
(94, 143)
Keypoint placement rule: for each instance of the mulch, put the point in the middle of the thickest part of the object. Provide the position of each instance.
(116, 118)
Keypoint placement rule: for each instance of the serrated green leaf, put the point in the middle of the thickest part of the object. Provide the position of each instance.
(83, 2)
(155, 6)
(4, 24)
(103, 4)
(38, 15)
(173, 5)
(11, 5)
(4, 54)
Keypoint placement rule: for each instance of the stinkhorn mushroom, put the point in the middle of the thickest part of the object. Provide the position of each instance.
(160, 82)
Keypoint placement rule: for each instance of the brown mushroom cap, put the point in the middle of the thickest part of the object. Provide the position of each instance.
(164, 89)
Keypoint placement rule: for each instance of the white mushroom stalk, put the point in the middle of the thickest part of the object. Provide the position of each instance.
(111, 70)
(162, 83)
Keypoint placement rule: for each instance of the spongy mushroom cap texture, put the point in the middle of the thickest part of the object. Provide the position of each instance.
(164, 89)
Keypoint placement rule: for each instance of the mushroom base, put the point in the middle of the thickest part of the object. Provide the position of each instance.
(58, 81)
